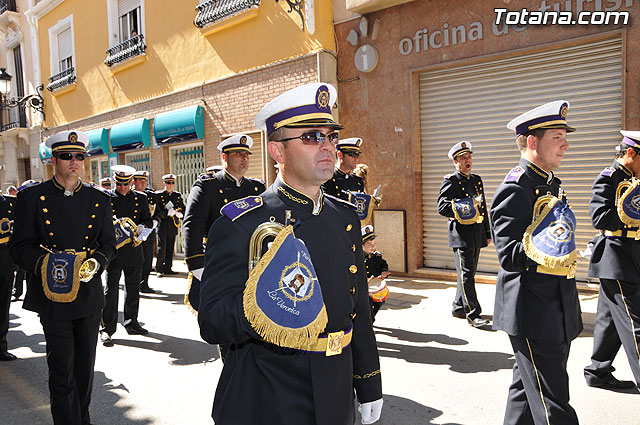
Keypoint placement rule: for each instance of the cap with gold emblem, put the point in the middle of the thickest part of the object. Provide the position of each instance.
(631, 138)
(169, 178)
(460, 148)
(68, 141)
(351, 144)
(142, 175)
(367, 233)
(547, 116)
(105, 182)
(236, 143)
(308, 105)
(122, 173)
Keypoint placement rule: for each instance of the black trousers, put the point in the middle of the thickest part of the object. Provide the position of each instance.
(71, 355)
(466, 299)
(147, 259)
(539, 393)
(129, 261)
(6, 284)
(166, 240)
(617, 324)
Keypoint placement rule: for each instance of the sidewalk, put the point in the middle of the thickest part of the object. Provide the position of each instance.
(435, 369)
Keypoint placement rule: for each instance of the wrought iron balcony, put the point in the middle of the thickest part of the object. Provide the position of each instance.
(126, 50)
(13, 117)
(7, 5)
(61, 79)
(214, 11)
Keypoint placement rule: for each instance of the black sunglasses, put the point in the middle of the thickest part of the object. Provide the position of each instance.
(352, 154)
(67, 156)
(315, 138)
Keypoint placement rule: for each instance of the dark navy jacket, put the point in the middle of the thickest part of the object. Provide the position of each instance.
(528, 304)
(459, 186)
(341, 182)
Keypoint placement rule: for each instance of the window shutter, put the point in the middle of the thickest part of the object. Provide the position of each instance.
(65, 44)
(126, 6)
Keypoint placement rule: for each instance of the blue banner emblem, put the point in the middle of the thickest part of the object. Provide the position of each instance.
(364, 206)
(628, 204)
(282, 297)
(60, 276)
(550, 239)
(467, 210)
(123, 236)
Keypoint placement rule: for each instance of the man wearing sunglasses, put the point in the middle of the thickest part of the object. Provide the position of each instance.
(170, 211)
(128, 260)
(58, 215)
(343, 180)
(313, 381)
(209, 193)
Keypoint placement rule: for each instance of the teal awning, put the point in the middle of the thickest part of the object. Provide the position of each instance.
(181, 125)
(98, 142)
(45, 153)
(130, 135)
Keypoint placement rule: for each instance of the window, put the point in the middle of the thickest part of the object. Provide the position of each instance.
(129, 19)
(61, 45)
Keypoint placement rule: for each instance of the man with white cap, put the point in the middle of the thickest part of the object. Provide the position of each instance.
(209, 193)
(58, 224)
(312, 377)
(7, 207)
(170, 211)
(536, 301)
(343, 180)
(461, 199)
(615, 213)
(140, 183)
(106, 182)
(128, 260)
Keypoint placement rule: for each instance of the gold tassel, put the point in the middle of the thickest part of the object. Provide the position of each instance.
(473, 220)
(300, 338)
(70, 296)
(186, 296)
(632, 222)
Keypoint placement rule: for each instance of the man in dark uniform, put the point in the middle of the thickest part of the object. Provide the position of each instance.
(343, 180)
(616, 262)
(170, 209)
(133, 205)
(140, 181)
(536, 297)
(316, 385)
(208, 195)
(7, 206)
(462, 200)
(65, 214)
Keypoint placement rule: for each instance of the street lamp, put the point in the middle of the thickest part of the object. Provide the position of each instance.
(33, 101)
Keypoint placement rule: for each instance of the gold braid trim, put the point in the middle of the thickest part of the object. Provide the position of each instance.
(293, 198)
(186, 296)
(538, 256)
(472, 220)
(633, 222)
(367, 375)
(71, 296)
(297, 338)
(193, 256)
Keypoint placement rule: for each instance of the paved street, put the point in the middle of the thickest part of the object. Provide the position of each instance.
(436, 369)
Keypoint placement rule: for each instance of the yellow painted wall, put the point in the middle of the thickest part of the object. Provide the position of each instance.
(178, 56)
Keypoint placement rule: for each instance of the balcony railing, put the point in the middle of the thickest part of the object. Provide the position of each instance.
(13, 117)
(126, 50)
(214, 11)
(61, 79)
(7, 5)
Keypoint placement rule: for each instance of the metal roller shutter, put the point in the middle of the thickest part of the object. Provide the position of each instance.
(475, 102)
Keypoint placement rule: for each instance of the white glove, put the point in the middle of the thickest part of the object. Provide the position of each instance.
(370, 411)
(179, 214)
(141, 227)
(155, 224)
(171, 212)
(197, 273)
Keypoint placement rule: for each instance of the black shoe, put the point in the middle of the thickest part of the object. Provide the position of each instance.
(170, 272)
(610, 383)
(478, 322)
(136, 329)
(6, 356)
(147, 290)
(459, 314)
(106, 340)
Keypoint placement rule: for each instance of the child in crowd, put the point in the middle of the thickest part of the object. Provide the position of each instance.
(377, 270)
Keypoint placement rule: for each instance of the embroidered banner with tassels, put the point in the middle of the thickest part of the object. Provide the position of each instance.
(282, 297)
(364, 206)
(628, 205)
(550, 239)
(60, 276)
(466, 210)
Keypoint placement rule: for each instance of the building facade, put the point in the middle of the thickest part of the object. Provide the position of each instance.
(417, 77)
(20, 124)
